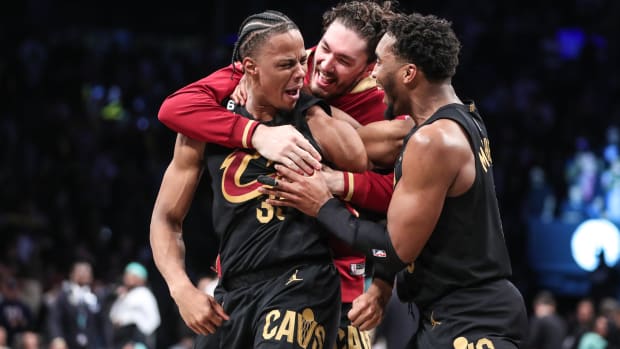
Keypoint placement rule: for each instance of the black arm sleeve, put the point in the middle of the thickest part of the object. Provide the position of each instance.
(369, 238)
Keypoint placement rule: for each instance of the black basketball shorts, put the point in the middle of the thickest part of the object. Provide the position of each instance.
(491, 315)
(299, 309)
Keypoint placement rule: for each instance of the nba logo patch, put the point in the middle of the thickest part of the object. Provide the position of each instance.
(379, 253)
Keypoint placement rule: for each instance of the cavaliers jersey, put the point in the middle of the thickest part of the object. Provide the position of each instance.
(467, 246)
(254, 235)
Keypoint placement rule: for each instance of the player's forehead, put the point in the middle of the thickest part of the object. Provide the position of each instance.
(385, 46)
(289, 44)
(344, 40)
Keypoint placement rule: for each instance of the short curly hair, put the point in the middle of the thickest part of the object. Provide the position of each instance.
(427, 41)
(369, 19)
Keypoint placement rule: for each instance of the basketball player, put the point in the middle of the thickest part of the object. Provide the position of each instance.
(279, 287)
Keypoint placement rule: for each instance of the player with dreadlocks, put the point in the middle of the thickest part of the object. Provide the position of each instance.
(339, 69)
(278, 287)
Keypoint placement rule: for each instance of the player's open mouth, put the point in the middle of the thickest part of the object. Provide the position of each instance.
(323, 80)
(293, 92)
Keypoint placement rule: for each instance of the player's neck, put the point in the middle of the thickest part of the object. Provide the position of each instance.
(426, 100)
(260, 111)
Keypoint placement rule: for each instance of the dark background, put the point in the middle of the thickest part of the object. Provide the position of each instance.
(83, 154)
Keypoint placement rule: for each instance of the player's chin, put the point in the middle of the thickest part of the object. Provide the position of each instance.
(319, 91)
(288, 101)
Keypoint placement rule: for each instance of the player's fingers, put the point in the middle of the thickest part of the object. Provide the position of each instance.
(308, 153)
(290, 164)
(353, 314)
(369, 324)
(287, 173)
(209, 329)
(201, 328)
(364, 322)
(219, 311)
(358, 319)
(280, 202)
(281, 198)
(300, 163)
(363, 314)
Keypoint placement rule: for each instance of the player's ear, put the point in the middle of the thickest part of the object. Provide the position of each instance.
(409, 72)
(249, 65)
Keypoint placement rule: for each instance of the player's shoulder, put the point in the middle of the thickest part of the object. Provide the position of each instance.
(438, 136)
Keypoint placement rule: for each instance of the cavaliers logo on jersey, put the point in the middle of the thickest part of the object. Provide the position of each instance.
(239, 182)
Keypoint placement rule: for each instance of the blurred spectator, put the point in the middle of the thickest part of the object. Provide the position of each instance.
(547, 328)
(27, 340)
(580, 323)
(15, 315)
(57, 343)
(3, 338)
(609, 307)
(596, 337)
(615, 322)
(75, 314)
(135, 313)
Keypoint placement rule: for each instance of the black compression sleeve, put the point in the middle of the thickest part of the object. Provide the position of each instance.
(369, 238)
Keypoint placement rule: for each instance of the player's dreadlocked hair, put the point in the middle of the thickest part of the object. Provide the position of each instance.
(427, 41)
(369, 19)
(256, 29)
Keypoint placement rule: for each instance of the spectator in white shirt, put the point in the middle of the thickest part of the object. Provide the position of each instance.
(135, 313)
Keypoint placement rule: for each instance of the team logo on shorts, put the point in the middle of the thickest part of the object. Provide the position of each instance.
(300, 328)
(293, 278)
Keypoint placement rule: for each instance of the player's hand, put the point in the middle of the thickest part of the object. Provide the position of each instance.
(240, 94)
(200, 312)
(367, 309)
(287, 146)
(306, 193)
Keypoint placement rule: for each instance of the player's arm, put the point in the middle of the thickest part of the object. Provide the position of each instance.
(369, 190)
(199, 311)
(338, 140)
(383, 140)
(196, 111)
(430, 165)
